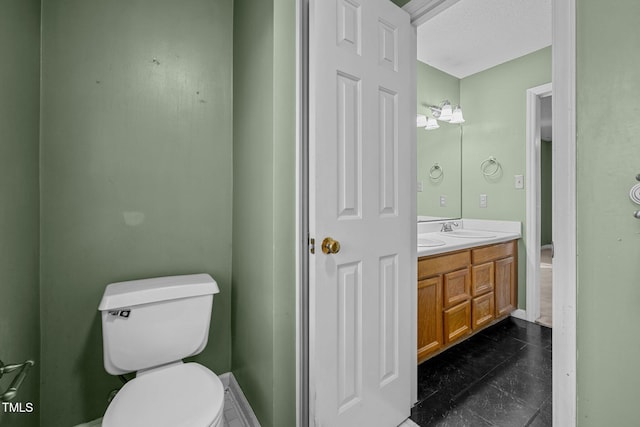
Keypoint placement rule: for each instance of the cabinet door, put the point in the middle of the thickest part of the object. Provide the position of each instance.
(482, 310)
(456, 287)
(505, 286)
(481, 279)
(457, 322)
(429, 316)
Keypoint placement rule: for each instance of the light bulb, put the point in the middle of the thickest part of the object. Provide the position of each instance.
(431, 124)
(456, 117)
(446, 113)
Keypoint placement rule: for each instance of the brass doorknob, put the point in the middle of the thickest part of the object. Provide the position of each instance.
(330, 246)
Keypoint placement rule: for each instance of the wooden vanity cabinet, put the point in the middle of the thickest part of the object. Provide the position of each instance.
(504, 257)
(483, 310)
(429, 316)
(444, 294)
(506, 295)
(482, 286)
(457, 322)
(463, 292)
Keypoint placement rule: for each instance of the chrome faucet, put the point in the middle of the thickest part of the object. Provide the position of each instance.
(448, 226)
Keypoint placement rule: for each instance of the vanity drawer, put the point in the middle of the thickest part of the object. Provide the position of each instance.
(482, 279)
(457, 322)
(456, 287)
(482, 310)
(433, 266)
(491, 253)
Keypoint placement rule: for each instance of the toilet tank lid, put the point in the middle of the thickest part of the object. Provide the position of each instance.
(145, 291)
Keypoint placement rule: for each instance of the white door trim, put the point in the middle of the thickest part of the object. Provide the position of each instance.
(302, 214)
(532, 180)
(413, 368)
(564, 225)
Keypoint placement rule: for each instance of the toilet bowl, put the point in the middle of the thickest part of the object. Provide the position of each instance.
(148, 327)
(182, 395)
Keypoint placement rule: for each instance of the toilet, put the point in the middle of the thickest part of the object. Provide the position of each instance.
(148, 327)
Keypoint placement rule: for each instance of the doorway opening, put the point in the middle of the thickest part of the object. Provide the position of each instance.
(564, 199)
(491, 97)
(545, 317)
(539, 216)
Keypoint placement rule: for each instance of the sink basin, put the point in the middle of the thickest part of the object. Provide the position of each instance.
(429, 243)
(468, 234)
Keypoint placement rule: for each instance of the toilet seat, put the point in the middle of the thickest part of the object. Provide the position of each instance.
(183, 395)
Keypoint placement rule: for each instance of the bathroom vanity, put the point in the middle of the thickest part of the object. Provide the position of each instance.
(465, 284)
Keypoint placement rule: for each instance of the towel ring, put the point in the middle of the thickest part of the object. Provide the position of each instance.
(634, 194)
(486, 166)
(436, 171)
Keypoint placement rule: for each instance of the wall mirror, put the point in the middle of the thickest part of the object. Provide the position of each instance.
(439, 150)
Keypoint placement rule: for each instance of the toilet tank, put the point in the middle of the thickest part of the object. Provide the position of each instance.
(151, 322)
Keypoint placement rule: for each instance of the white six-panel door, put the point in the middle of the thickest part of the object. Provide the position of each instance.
(360, 195)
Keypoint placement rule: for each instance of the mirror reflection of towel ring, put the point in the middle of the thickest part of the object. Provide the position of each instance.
(436, 171)
(634, 194)
(490, 167)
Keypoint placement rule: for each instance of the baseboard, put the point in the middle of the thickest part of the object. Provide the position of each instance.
(229, 381)
(520, 314)
(548, 246)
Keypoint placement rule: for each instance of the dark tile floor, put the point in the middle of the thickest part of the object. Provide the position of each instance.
(499, 377)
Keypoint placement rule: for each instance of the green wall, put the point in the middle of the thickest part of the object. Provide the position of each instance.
(546, 192)
(440, 145)
(608, 237)
(263, 202)
(136, 172)
(284, 218)
(494, 105)
(19, 210)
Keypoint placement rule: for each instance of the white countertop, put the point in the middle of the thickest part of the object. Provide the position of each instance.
(501, 231)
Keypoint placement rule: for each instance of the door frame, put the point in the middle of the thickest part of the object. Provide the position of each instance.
(302, 213)
(564, 200)
(533, 216)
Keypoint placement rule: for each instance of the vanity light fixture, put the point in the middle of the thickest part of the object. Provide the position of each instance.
(432, 124)
(428, 123)
(444, 112)
(456, 117)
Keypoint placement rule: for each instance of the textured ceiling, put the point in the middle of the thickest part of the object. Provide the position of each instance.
(474, 35)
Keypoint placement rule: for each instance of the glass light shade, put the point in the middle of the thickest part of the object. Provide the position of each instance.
(431, 124)
(456, 117)
(446, 113)
(421, 121)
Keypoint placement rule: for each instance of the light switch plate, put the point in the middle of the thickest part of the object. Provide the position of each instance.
(443, 201)
(419, 186)
(483, 200)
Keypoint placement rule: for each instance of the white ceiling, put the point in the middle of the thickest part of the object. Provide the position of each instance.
(474, 35)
